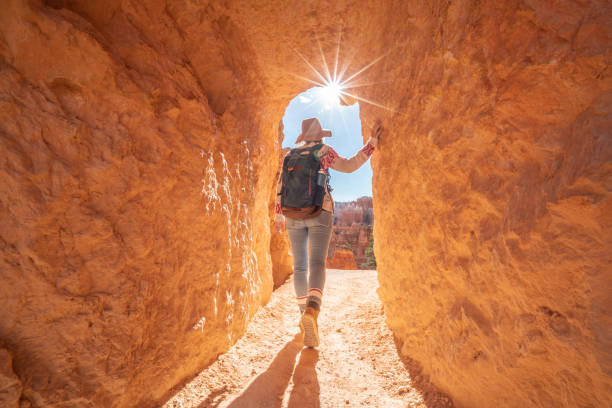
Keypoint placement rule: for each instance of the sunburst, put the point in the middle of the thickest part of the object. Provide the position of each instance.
(334, 87)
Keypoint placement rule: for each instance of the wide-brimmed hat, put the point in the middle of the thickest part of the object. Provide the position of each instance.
(312, 130)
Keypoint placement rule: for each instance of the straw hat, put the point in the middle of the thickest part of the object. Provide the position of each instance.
(312, 130)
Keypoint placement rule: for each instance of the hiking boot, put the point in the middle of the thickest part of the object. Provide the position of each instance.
(311, 330)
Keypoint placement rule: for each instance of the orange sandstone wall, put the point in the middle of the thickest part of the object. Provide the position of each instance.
(136, 140)
(132, 251)
(492, 199)
(280, 247)
(10, 385)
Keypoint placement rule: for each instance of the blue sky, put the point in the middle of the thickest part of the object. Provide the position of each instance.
(346, 138)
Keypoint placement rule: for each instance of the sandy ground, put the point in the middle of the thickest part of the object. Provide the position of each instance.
(356, 365)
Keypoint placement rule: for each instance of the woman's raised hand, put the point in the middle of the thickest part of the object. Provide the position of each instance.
(377, 131)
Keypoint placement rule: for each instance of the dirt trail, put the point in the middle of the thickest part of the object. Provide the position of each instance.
(356, 365)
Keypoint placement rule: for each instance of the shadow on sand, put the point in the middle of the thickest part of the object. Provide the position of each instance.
(268, 388)
(305, 392)
(432, 397)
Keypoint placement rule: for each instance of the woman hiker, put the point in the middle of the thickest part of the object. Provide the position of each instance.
(303, 197)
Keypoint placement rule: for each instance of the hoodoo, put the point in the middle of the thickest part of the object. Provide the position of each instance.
(352, 235)
(139, 144)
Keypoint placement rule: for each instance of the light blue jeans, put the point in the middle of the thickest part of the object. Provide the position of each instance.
(309, 242)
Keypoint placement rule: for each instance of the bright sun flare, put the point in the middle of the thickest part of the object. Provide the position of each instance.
(331, 93)
(333, 85)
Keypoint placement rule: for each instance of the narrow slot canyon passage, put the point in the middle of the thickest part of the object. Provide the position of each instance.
(357, 363)
(139, 151)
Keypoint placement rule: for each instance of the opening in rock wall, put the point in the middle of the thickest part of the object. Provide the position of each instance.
(351, 242)
(346, 139)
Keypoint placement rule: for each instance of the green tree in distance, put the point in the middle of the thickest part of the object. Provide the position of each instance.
(370, 262)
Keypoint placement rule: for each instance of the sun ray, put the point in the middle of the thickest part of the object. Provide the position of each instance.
(342, 99)
(346, 65)
(321, 84)
(324, 61)
(365, 68)
(337, 55)
(370, 102)
(361, 85)
(310, 65)
(332, 90)
(345, 82)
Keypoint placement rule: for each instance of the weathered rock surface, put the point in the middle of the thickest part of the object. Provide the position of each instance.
(354, 238)
(280, 247)
(342, 259)
(10, 386)
(136, 139)
(492, 199)
(354, 212)
(352, 231)
(134, 221)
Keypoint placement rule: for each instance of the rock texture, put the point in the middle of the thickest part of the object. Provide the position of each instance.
(352, 232)
(492, 198)
(342, 259)
(136, 140)
(10, 386)
(354, 212)
(134, 222)
(280, 247)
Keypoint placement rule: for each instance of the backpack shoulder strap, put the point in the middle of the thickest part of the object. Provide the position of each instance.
(320, 151)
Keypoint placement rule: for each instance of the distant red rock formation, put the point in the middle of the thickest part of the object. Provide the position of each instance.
(354, 212)
(352, 232)
(342, 259)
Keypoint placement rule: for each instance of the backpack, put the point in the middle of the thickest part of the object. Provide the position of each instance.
(303, 183)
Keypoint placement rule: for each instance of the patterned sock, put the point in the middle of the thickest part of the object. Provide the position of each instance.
(314, 305)
(314, 298)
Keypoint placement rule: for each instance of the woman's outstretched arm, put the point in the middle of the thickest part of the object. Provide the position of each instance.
(330, 158)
